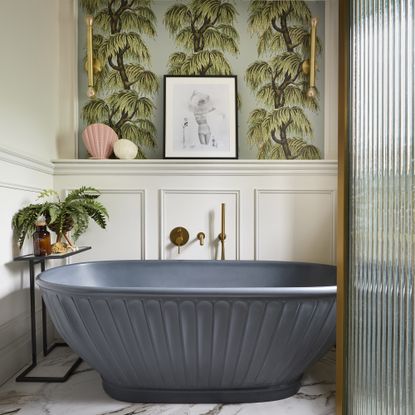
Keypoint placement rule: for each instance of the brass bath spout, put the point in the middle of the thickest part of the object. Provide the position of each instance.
(222, 235)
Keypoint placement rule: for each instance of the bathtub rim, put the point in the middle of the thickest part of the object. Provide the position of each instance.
(307, 291)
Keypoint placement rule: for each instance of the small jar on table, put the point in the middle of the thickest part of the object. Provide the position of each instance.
(41, 239)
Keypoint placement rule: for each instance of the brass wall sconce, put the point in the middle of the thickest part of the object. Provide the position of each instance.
(309, 66)
(93, 65)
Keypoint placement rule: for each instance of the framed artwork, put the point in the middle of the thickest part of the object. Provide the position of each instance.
(200, 118)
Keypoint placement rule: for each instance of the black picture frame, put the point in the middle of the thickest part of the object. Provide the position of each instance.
(200, 117)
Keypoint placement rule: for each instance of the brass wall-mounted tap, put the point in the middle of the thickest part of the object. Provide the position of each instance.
(222, 235)
(201, 236)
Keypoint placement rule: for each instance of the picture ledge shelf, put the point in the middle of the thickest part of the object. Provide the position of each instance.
(197, 167)
(205, 167)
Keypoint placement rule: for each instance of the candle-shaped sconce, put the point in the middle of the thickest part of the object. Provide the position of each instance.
(313, 49)
(90, 56)
(92, 65)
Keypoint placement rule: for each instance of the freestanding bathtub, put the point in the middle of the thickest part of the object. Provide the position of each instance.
(195, 331)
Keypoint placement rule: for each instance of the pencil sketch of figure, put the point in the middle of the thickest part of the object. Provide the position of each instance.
(185, 125)
(201, 104)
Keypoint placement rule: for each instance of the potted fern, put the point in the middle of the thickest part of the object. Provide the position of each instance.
(70, 214)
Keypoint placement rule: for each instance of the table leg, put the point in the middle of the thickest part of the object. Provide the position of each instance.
(44, 319)
(33, 313)
(23, 376)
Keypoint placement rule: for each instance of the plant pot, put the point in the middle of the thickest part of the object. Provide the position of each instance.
(67, 226)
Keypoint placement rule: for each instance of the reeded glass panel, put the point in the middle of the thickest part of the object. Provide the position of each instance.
(380, 368)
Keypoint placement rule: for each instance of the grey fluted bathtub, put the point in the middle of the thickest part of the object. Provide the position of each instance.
(195, 331)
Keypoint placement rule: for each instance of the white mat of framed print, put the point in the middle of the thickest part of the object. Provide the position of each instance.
(200, 119)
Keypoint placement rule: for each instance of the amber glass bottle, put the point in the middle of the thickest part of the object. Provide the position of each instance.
(41, 239)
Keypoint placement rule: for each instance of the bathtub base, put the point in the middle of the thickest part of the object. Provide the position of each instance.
(200, 396)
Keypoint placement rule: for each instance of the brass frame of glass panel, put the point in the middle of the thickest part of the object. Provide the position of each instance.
(342, 205)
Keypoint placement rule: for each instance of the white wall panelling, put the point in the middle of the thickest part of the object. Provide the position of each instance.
(15, 341)
(124, 237)
(199, 211)
(31, 120)
(21, 178)
(189, 193)
(295, 225)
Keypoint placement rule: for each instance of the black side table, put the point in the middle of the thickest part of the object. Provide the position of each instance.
(34, 260)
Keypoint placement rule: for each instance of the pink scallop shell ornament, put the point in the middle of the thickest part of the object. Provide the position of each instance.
(99, 140)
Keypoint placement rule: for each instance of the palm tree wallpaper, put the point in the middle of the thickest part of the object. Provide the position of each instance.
(125, 86)
(279, 127)
(263, 42)
(205, 30)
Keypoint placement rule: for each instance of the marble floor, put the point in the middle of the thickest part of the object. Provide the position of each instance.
(82, 394)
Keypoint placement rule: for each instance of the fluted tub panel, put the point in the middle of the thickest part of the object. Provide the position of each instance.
(193, 343)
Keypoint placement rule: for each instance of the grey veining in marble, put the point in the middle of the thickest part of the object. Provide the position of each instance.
(82, 394)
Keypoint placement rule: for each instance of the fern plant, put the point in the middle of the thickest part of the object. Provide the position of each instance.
(62, 215)
(205, 30)
(280, 128)
(125, 87)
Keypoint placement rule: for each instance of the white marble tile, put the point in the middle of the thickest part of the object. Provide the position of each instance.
(82, 394)
(56, 363)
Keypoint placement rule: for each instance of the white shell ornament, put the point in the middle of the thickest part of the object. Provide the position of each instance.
(125, 149)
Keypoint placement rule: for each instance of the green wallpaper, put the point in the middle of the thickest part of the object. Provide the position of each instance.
(262, 42)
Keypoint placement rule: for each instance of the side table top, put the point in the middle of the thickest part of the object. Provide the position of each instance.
(31, 257)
